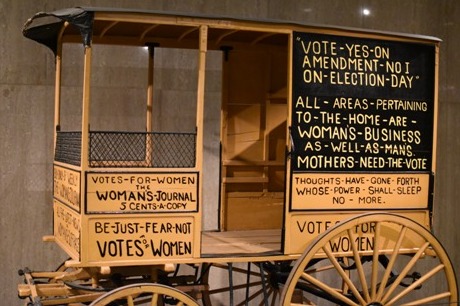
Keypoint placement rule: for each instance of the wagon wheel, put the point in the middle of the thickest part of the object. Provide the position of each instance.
(145, 294)
(397, 262)
(252, 283)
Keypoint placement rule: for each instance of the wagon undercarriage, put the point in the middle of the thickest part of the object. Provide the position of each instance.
(380, 275)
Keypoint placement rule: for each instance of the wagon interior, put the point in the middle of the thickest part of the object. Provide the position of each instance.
(143, 116)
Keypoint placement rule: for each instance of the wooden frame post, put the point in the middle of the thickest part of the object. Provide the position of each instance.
(151, 50)
(149, 110)
(57, 85)
(85, 109)
(200, 95)
(57, 92)
(203, 42)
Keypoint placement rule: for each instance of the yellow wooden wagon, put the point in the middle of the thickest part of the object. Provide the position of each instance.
(318, 144)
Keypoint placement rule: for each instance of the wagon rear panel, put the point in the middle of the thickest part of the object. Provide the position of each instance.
(362, 128)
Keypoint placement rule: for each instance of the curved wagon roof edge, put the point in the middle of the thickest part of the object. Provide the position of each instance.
(83, 18)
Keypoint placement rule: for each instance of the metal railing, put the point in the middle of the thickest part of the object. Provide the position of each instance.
(68, 148)
(129, 149)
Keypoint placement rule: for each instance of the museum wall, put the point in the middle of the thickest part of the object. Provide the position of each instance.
(26, 109)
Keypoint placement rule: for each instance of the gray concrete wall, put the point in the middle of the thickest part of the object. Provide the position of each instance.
(26, 110)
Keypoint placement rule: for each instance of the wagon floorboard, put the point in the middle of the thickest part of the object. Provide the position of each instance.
(242, 243)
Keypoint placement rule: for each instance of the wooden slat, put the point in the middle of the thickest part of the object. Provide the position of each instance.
(245, 179)
(241, 242)
(253, 163)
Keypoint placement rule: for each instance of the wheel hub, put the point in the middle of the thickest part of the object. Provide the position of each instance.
(375, 304)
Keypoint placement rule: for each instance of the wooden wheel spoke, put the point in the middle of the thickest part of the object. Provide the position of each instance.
(155, 297)
(375, 261)
(429, 299)
(254, 295)
(332, 291)
(405, 271)
(275, 297)
(130, 300)
(237, 270)
(271, 295)
(268, 293)
(389, 268)
(263, 302)
(235, 287)
(359, 265)
(321, 269)
(343, 274)
(417, 283)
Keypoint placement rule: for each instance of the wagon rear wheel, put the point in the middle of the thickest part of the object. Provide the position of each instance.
(252, 283)
(373, 259)
(145, 294)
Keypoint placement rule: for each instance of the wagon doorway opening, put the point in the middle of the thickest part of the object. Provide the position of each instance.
(175, 109)
(253, 132)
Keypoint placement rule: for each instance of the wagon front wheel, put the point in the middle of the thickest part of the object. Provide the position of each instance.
(373, 259)
(145, 294)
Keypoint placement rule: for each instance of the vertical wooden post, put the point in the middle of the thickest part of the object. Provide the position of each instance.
(150, 88)
(287, 198)
(57, 85)
(200, 96)
(57, 92)
(84, 158)
(435, 126)
(149, 113)
(435, 110)
(203, 42)
(85, 109)
(223, 139)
